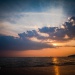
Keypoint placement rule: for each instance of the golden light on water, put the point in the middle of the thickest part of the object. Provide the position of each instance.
(56, 68)
(55, 60)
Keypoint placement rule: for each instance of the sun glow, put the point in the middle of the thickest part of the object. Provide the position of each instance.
(54, 44)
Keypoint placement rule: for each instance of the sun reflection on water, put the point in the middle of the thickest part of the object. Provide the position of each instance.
(56, 68)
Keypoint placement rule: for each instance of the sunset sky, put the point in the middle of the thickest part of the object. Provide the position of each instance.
(37, 28)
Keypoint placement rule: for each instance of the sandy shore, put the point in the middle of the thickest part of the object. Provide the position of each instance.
(52, 70)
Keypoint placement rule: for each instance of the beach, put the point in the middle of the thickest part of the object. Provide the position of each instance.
(52, 70)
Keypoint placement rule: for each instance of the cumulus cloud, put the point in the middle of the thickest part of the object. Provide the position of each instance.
(33, 33)
(59, 34)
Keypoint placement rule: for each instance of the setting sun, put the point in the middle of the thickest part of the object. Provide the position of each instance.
(54, 44)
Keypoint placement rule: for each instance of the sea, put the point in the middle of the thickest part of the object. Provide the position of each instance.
(36, 61)
(37, 66)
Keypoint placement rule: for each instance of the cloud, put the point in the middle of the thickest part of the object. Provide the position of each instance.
(55, 33)
(66, 46)
(47, 29)
(65, 33)
(33, 33)
(10, 29)
(59, 34)
(31, 20)
(22, 43)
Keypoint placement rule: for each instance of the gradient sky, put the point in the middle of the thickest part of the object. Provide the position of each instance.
(34, 28)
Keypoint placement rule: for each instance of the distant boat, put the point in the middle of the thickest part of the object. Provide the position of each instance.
(71, 55)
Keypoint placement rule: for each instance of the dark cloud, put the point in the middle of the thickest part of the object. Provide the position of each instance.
(47, 29)
(32, 33)
(11, 43)
(29, 34)
(70, 28)
(55, 33)
(59, 34)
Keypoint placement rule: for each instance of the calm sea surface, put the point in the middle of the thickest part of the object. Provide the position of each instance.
(36, 61)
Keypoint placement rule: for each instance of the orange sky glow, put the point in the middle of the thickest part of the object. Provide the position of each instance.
(47, 52)
(60, 50)
(34, 31)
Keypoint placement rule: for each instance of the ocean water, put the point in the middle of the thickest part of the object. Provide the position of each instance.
(36, 61)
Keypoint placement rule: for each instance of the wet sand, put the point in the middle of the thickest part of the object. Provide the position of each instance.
(52, 70)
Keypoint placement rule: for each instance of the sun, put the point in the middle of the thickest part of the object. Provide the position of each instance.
(54, 44)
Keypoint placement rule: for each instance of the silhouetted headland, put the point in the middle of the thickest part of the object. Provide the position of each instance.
(71, 55)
